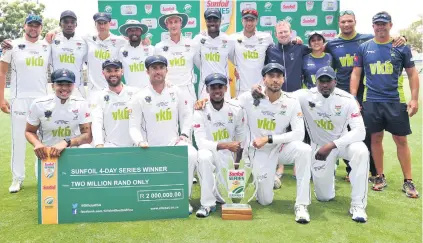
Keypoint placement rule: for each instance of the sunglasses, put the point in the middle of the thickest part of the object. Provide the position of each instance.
(346, 12)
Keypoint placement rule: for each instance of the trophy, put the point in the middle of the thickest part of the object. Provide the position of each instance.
(237, 188)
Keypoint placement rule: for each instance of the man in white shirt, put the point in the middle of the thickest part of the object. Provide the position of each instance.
(215, 48)
(133, 54)
(179, 51)
(269, 142)
(327, 112)
(219, 130)
(109, 109)
(157, 113)
(29, 59)
(60, 120)
(250, 51)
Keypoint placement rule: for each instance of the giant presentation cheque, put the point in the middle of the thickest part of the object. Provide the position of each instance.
(113, 184)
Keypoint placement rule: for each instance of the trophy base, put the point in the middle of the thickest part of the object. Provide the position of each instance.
(237, 212)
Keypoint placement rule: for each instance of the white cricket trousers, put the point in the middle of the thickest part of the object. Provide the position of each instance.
(210, 163)
(324, 178)
(264, 163)
(192, 163)
(19, 108)
(189, 91)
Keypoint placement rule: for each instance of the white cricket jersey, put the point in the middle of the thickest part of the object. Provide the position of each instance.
(213, 54)
(132, 59)
(213, 126)
(70, 54)
(29, 62)
(110, 114)
(249, 57)
(273, 119)
(180, 58)
(98, 52)
(58, 121)
(327, 119)
(155, 118)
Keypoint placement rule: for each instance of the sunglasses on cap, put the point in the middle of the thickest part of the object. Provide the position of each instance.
(346, 12)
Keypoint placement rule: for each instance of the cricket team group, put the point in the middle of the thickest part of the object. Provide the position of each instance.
(290, 105)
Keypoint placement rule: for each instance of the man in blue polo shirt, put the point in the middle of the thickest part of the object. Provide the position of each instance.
(384, 106)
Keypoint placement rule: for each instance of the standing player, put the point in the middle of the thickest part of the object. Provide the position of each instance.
(219, 131)
(214, 50)
(110, 112)
(133, 54)
(250, 51)
(384, 106)
(179, 51)
(158, 111)
(29, 59)
(327, 113)
(61, 120)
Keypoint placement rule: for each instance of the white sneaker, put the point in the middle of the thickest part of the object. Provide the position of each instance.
(358, 214)
(277, 183)
(301, 214)
(16, 186)
(204, 212)
(190, 209)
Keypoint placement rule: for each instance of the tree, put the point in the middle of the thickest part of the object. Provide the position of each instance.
(414, 35)
(12, 18)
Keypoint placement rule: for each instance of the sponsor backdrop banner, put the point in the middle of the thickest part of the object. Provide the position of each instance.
(113, 184)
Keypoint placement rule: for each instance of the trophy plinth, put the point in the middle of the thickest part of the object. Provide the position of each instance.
(236, 211)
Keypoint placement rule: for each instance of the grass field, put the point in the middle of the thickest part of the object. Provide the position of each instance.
(392, 216)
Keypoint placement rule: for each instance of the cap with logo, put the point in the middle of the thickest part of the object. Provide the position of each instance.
(313, 33)
(273, 67)
(63, 75)
(215, 78)
(130, 23)
(212, 12)
(154, 60)
(102, 17)
(67, 13)
(326, 71)
(33, 18)
(174, 13)
(382, 17)
(112, 63)
(249, 13)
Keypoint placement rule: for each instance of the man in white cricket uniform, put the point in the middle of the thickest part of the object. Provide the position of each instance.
(269, 142)
(29, 59)
(327, 112)
(60, 120)
(214, 50)
(158, 111)
(179, 51)
(109, 109)
(250, 51)
(219, 130)
(133, 54)
(70, 51)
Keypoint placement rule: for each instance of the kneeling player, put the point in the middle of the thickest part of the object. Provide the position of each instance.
(219, 130)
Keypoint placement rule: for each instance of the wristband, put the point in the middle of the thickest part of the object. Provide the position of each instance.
(269, 138)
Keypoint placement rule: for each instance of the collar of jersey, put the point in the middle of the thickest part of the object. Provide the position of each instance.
(59, 101)
(181, 41)
(108, 38)
(352, 37)
(322, 56)
(276, 101)
(243, 36)
(121, 92)
(153, 90)
(382, 43)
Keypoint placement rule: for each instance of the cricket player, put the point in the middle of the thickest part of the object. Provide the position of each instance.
(60, 120)
(327, 113)
(384, 105)
(269, 142)
(215, 48)
(179, 51)
(158, 111)
(133, 54)
(250, 51)
(110, 113)
(219, 131)
(29, 59)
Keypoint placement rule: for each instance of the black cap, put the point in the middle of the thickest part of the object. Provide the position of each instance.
(382, 17)
(216, 78)
(63, 75)
(313, 33)
(326, 71)
(102, 17)
(67, 13)
(33, 18)
(155, 59)
(273, 67)
(114, 63)
(212, 12)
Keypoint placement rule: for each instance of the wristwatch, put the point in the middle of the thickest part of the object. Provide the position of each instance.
(68, 141)
(269, 138)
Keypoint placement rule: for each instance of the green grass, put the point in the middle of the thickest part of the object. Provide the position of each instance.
(392, 216)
